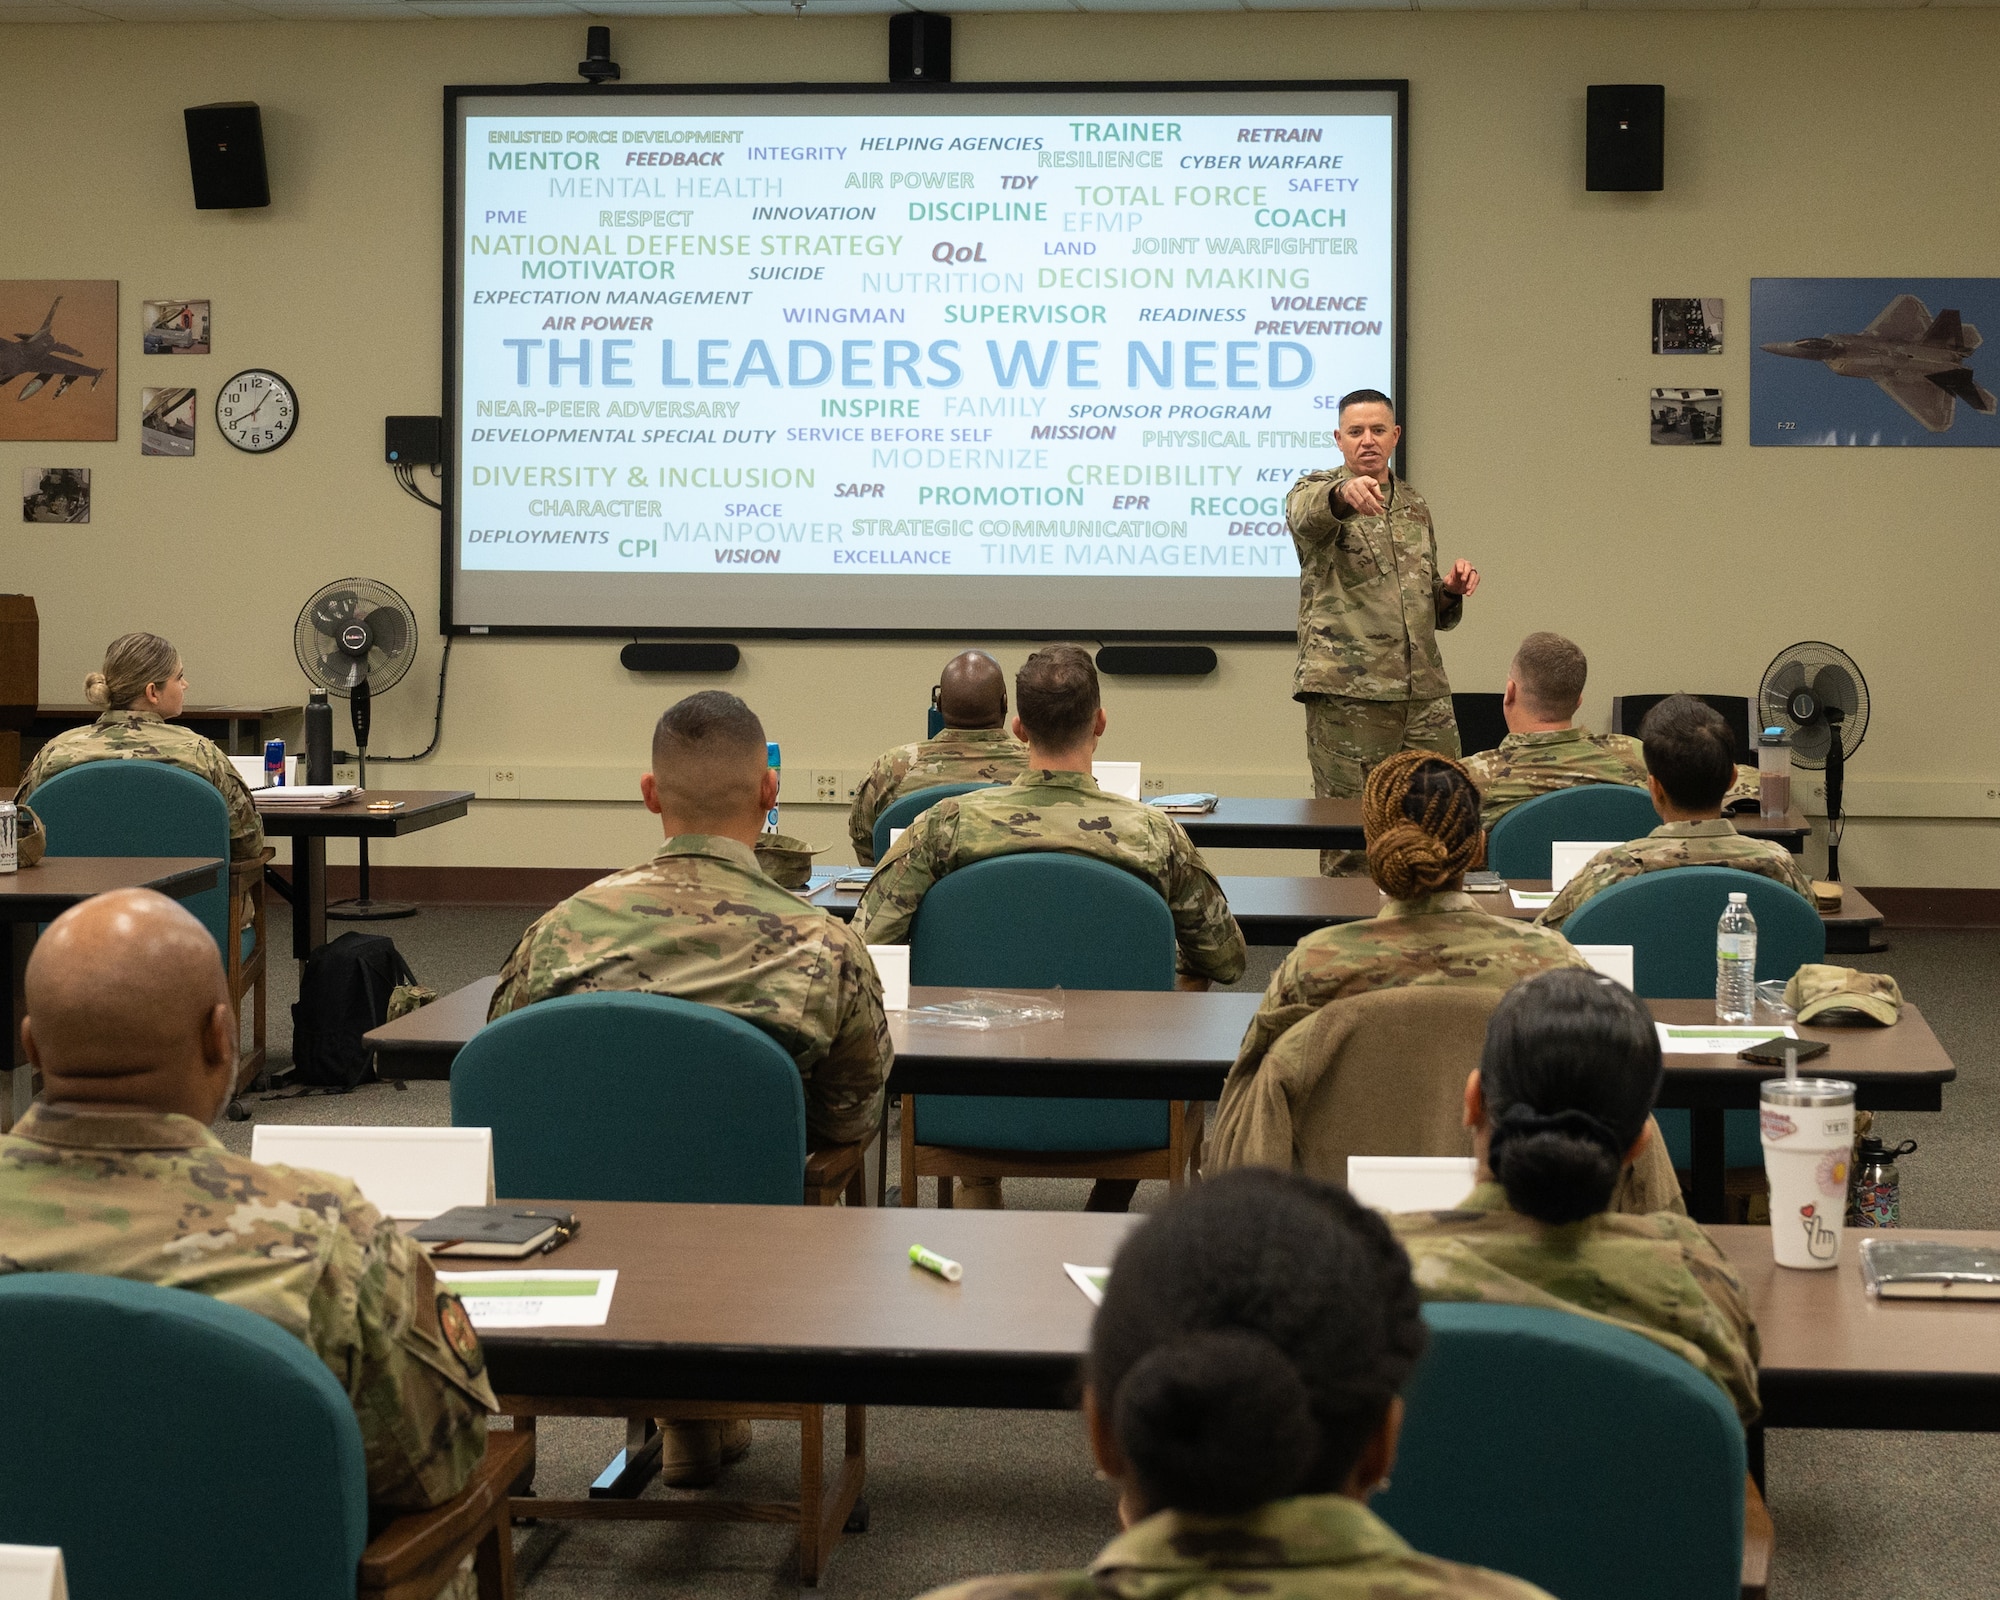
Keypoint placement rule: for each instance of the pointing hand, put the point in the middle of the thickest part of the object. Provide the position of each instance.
(1361, 494)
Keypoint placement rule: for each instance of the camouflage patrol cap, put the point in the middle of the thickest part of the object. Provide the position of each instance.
(1840, 994)
(786, 861)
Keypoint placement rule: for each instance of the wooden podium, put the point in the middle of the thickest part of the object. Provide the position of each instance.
(20, 678)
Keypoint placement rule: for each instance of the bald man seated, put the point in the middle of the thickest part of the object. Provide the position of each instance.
(115, 1172)
(974, 746)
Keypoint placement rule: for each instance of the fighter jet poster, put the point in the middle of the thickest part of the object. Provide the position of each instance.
(58, 358)
(1873, 361)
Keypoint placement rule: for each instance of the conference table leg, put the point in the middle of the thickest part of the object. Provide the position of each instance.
(1706, 1156)
(308, 894)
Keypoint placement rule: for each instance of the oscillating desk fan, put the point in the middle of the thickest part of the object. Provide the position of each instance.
(1817, 694)
(356, 638)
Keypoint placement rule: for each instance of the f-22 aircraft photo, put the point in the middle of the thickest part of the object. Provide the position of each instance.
(42, 356)
(1909, 356)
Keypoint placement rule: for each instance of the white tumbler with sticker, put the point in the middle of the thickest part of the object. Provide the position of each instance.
(1808, 1134)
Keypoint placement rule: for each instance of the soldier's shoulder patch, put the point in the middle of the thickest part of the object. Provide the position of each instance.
(455, 1326)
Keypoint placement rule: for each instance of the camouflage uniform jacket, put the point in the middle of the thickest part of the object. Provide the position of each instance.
(1314, 1547)
(1065, 811)
(1530, 764)
(145, 736)
(956, 755)
(1371, 599)
(1711, 843)
(1658, 1275)
(156, 1199)
(701, 922)
(1440, 938)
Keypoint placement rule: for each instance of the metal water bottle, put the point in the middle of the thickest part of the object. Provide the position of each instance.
(1875, 1191)
(319, 738)
(10, 837)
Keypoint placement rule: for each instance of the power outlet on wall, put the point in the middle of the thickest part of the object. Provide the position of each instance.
(1152, 786)
(825, 787)
(851, 786)
(503, 783)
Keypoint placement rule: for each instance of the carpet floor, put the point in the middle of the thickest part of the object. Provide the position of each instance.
(957, 1493)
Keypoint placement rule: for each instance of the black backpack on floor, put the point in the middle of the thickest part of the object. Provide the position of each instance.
(343, 992)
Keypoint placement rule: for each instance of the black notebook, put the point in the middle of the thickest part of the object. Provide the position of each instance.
(507, 1232)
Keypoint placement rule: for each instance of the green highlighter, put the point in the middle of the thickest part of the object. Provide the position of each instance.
(931, 1261)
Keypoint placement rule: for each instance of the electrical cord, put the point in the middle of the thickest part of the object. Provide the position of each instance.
(406, 475)
(437, 722)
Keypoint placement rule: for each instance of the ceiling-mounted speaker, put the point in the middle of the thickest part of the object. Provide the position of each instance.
(1625, 137)
(660, 655)
(919, 48)
(226, 156)
(1156, 660)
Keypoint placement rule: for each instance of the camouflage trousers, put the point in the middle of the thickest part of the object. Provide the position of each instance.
(1346, 738)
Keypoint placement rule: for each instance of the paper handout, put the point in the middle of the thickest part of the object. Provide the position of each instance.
(534, 1299)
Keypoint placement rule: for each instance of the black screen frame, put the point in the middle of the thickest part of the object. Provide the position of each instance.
(449, 369)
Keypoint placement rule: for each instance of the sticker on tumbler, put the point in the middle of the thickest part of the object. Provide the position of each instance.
(1832, 1174)
(1821, 1241)
(1777, 1125)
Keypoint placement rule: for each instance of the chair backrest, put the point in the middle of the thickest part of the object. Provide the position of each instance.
(141, 808)
(1379, 1074)
(1629, 710)
(1669, 917)
(1042, 920)
(626, 1096)
(1482, 724)
(1575, 1454)
(173, 1445)
(1518, 846)
(901, 813)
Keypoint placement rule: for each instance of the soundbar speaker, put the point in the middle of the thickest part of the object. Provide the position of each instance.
(226, 156)
(919, 48)
(1625, 137)
(1156, 660)
(660, 655)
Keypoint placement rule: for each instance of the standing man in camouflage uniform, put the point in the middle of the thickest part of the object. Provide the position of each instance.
(974, 746)
(1544, 749)
(114, 1172)
(143, 685)
(1371, 603)
(700, 921)
(1690, 764)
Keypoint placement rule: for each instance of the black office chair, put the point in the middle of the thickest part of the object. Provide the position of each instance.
(1629, 710)
(1481, 722)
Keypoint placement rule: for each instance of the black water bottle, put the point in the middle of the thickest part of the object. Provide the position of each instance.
(319, 738)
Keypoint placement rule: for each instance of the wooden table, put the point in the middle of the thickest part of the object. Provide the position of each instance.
(39, 894)
(1237, 824)
(309, 831)
(51, 720)
(1282, 911)
(1144, 1045)
(1834, 1358)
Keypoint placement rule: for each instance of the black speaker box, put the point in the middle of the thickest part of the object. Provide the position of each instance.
(919, 48)
(659, 655)
(1156, 660)
(413, 441)
(1625, 140)
(226, 156)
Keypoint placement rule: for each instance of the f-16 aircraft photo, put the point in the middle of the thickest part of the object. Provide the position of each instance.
(41, 355)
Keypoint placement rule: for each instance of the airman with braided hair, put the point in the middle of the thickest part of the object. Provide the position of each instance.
(1420, 817)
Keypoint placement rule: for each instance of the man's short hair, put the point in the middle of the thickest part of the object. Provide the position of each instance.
(1690, 749)
(708, 756)
(1364, 397)
(1550, 671)
(1055, 695)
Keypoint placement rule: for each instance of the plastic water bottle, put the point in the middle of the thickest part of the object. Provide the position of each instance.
(1736, 963)
(771, 760)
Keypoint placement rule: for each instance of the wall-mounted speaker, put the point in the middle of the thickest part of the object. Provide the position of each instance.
(919, 48)
(1625, 137)
(1156, 660)
(226, 156)
(663, 655)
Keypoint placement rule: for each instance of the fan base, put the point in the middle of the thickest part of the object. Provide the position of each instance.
(368, 910)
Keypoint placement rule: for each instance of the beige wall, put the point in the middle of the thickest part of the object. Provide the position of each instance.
(1807, 143)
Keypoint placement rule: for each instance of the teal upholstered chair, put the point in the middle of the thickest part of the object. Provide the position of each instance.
(1580, 1456)
(1669, 918)
(901, 813)
(181, 1446)
(1518, 846)
(1042, 920)
(134, 807)
(639, 1097)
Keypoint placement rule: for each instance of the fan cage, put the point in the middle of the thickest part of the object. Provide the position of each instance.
(316, 636)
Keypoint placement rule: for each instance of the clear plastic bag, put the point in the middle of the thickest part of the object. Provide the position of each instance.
(981, 1010)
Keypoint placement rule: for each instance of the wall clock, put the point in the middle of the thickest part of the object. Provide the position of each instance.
(257, 410)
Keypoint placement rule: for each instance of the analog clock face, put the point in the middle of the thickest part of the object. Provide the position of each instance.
(257, 410)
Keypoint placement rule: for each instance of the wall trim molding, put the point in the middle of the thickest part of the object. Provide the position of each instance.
(1937, 908)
